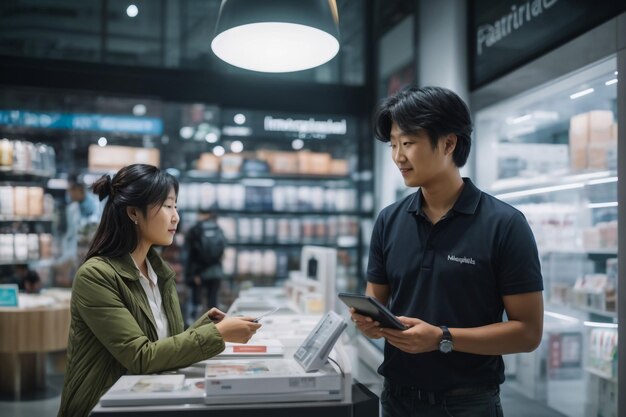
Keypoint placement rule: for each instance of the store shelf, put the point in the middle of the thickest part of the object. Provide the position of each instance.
(195, 175)
(18, 261)
(25, 219)
(591, 252)
(545, 183)
(281, 212)
(279, 245)
(597, 312)
(601, 374)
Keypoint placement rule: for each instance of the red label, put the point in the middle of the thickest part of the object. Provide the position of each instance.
(249, 349)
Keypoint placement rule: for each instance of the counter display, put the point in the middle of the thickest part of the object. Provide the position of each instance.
(33, 333)
(555, 151)
(268, 385)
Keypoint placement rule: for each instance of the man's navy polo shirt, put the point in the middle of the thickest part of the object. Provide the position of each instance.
(453, 273)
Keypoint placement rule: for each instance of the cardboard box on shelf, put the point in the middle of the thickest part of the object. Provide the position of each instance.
(231, 164)
(339, 167)
(35, 201)
(317, 163)
(208, 162)
(597, 156)
(116, 157)
(20, 201)
(594, 127)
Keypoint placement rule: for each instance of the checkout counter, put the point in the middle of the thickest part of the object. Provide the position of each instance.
(293, 328)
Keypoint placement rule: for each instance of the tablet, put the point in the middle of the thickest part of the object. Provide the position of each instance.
(369, 306)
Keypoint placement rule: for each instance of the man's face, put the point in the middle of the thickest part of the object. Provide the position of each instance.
(76, 192)
(414, 155)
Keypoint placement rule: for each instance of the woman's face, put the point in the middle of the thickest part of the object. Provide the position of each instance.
(159, 225)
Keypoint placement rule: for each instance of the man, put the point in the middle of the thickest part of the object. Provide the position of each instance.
(205, 244)
(82, 216)
(449, 260)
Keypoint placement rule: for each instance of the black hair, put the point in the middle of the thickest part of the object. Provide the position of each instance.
(137, 185)
(436, 110)
(74, 180)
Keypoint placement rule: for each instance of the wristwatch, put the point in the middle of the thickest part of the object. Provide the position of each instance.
(445, 345)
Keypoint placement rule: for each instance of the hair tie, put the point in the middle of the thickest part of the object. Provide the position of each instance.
(104, 187)
(110, 186)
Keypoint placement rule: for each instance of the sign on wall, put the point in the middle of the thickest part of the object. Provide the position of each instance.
(506, 34)
(90, 122)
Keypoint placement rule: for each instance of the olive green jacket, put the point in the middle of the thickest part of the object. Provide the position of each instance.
(113, 332)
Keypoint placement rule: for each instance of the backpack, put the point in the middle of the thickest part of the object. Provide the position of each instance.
(211, 243)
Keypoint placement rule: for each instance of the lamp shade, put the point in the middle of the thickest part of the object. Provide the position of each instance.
(276, 35)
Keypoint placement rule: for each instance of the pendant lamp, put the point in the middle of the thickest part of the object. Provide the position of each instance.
(276, 35)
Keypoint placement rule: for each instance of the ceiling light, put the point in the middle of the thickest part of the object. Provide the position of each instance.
(132, 10)
(297, 144)
(211, 137)
(139, 109)
(186, 132)
(236, 146)
(581, 93)
(239, 119)
(219, 151)
(276, 35)
(611, 82)
(102, 141)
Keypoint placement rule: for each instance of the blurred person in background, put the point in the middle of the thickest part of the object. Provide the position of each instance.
(82, 215)
(28, 280)
(204, 243)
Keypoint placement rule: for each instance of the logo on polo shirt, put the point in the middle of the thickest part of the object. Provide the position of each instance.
(463, 260)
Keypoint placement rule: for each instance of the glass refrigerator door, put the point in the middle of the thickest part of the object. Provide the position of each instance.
(552, 153)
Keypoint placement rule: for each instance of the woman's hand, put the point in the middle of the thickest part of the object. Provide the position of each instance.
(216, 315)
(366, 325)
(237, 329)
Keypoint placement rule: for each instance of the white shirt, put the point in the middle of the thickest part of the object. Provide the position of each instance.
(151, 288)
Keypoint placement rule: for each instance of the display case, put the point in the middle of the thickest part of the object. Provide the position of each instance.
(552, 153)
(276, 181)
(25, 209)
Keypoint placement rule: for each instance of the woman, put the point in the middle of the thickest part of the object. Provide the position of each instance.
(125, 312)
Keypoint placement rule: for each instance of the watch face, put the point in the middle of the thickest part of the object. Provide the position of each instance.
(445, 346)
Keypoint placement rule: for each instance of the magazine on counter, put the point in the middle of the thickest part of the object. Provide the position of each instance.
(132, 390)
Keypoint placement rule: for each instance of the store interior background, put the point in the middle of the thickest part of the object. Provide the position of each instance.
(174, 102)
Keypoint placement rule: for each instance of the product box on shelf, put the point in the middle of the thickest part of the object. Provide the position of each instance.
(593, 129)
(565, 355)
(603, 352)
(115, 157)
(20, 201)
(595, 291)
(208, 162)
(317, 163)
(231, 165)
(339, 167)
(531, 159)
(6, 154)
(35, 201)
